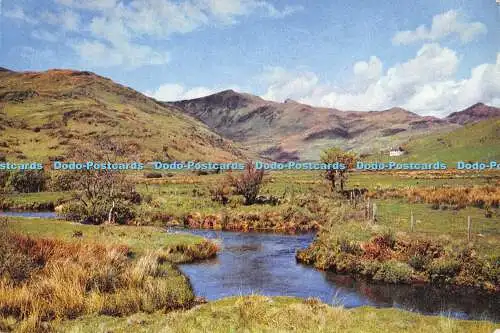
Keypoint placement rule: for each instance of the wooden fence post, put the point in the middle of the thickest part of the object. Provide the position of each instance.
(469, 228)
(367, 210)
(374, 212)
(412, 221)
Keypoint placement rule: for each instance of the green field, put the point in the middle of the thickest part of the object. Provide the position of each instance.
(473, 142)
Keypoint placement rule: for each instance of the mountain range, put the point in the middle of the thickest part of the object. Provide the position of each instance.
(56, 113)
(293, 131)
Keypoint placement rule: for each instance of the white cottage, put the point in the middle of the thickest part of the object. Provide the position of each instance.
(397, 151)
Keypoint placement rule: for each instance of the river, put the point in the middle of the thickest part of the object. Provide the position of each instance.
(259, 263)
(264, 263)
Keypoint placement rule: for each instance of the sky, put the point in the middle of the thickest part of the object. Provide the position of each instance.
(432, 57)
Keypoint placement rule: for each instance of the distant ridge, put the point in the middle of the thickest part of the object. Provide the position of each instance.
(292, 129)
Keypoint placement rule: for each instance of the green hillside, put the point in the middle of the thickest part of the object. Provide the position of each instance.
(474, 142)
(52, 114)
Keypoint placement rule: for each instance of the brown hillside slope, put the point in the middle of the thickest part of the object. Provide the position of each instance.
(47, 115)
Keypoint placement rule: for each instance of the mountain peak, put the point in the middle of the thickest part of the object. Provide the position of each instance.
(474, 113)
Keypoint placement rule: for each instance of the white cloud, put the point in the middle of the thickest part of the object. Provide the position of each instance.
(174, 92)
(283, 84)
(18, 13)
(44, 35)
(98, 54)
(425, 84)
(443, 25)
(367, 72)
(68, 19)
(114, 31)
(89, 4)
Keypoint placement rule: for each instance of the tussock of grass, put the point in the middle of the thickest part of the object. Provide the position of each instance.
(66, 280)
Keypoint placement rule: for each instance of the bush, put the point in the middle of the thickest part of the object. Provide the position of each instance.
(347, 263)
(63, 180)
(14, 264)
(220, 193)
(4, 178)
(443, 269)
(248, 183)
(76, 211)
(386, 240)
(348, 246)
(73, 211)
(147, 198)
(394, 272)
(418, 262)
(152, 175)
(28, 181)
(123, 213)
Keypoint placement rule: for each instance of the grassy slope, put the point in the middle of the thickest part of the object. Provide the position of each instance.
(474, 142)
(278, 314)
(52, 113)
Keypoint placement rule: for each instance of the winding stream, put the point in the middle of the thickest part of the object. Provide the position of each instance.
(263, 263)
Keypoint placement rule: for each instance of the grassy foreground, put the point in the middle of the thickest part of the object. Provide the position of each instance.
(56, 270)
(277, 314)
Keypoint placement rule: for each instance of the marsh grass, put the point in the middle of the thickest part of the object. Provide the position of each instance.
(487, 196)
(66, 280)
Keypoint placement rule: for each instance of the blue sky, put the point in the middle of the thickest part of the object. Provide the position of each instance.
(432, 57)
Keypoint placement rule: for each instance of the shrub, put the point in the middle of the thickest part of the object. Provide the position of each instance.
(152, 175)
(4, 178)
(14, 264)
(123, 213)
(76, 211)
(387, 239)
(348, 263)
(369, 267)
(28, 181)
(220, 193)
(348, 246)
(147, 198)
(248, 183)
(418, 262)
(443, 269)
(73, 211)
(393, 271)
(63, 180)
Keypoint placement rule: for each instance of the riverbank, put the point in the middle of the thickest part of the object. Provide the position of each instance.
(276, 314)
(56, 270)
(123, 279)
(383, 254)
